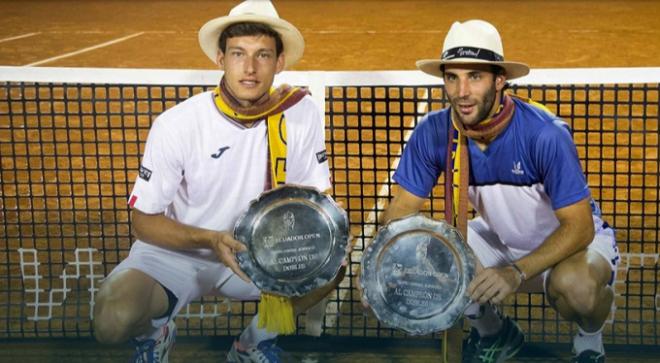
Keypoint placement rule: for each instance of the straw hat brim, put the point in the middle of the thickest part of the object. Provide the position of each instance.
(292, 39)
(432, 66)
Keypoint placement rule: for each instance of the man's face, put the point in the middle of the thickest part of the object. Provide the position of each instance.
(250, 64)
(473, 92)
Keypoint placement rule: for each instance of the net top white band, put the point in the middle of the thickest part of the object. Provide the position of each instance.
(316, 78)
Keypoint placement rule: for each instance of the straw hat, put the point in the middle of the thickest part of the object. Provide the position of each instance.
(471, 42)
(255, 11)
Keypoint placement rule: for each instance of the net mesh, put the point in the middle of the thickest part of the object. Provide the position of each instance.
(70, 153)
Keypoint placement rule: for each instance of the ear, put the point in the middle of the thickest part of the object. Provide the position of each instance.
(500, 81)
(281, 62)
(220, 59)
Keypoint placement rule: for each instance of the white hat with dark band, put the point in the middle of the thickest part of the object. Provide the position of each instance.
(473, 42)
(253, 11)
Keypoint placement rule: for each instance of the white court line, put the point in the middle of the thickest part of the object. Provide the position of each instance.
(367, 31)
(84, 49)
(19, 37)
(372, 221)
(101, 31)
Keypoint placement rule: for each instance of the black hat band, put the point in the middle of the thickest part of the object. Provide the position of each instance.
(471, 52)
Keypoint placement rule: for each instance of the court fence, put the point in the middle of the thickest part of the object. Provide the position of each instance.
(71, 141)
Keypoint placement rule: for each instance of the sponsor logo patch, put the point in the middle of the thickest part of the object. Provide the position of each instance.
(321, 156)
(220, 152)
(517, 169)
(144, 173)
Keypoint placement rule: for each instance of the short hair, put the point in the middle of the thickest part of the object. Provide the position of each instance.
(496, 70)
(247, 29)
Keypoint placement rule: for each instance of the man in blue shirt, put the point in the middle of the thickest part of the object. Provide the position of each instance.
(538, 228)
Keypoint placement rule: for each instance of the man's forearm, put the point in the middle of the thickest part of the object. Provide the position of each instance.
(393, 212)
(565, 241)
(404, 203)
(163, 231)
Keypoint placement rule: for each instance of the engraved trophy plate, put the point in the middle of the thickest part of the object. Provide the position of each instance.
(415, 274)
(296, 239)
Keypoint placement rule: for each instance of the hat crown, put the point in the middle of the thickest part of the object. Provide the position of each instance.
(472, 42)
(255, 7)
(253, 11)
(474, 34)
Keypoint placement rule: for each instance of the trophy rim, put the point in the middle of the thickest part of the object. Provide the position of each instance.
(336, 220)
(369, 279)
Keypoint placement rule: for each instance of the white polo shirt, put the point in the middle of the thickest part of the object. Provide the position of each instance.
(203, 169)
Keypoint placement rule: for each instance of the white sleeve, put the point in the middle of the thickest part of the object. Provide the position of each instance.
(308, 159)
(161, 170)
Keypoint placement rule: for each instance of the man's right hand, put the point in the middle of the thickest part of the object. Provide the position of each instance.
(225, 247)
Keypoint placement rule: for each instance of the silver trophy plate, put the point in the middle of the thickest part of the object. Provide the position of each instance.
(296, 238)
(415, 274)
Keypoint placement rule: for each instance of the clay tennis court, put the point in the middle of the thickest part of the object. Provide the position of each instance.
(340, 36)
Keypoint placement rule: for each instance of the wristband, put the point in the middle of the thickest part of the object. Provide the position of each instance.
(523, 275)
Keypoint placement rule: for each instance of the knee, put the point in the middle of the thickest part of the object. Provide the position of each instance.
(112, 320)
(576, 289)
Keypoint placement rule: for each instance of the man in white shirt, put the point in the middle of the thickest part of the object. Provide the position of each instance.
(205, 160)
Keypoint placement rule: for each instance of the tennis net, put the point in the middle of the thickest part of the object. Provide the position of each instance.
(71, 141)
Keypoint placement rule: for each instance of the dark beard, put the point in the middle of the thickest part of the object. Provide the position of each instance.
(489, 101)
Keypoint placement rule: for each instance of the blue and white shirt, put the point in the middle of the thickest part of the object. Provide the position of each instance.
(516, 183)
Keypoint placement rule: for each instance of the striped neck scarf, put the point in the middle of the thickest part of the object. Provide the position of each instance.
(457, 173)
(276, 312)
(274, 102)
(486, 130)
(271, 107)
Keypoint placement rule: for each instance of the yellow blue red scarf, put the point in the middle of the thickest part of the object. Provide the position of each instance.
(275, 312)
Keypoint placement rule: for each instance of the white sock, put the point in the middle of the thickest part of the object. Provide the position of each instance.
(485, 318)
(588, 341)
(252, 335)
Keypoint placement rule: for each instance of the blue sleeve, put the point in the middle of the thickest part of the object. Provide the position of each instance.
(423, 157)
(559, 164)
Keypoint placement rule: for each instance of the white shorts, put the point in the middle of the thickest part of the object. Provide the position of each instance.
(490, 251)
(187, 275)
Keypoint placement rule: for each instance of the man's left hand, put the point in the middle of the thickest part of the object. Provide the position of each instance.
(494, 284)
